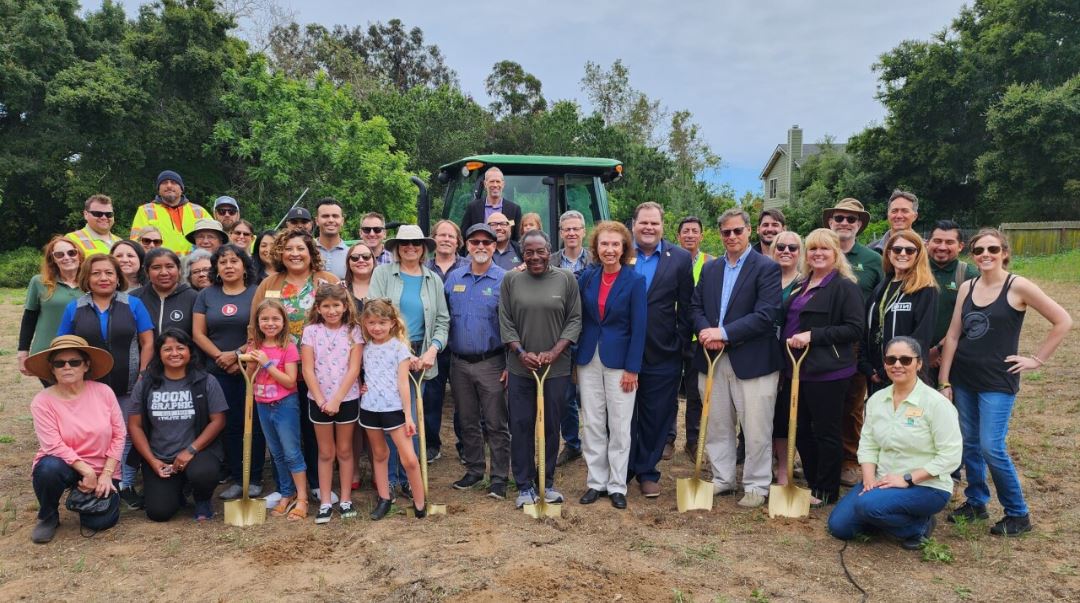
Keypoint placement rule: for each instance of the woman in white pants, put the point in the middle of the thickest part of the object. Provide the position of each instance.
(609, 356)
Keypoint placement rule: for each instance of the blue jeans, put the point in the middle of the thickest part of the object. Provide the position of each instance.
(281, 425)
(52, 477)
(984, 423)
(127, 472)
(901, 512)
(570, 423)
(396, 471)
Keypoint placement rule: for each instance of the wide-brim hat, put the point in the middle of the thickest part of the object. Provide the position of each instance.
(848, 205)
(410, 232)
(207, 224)
(101, 362)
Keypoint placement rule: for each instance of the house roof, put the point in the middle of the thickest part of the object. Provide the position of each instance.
(808, 150)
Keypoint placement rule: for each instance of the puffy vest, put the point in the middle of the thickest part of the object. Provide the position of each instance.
(122, 341)
(155, 214)
(89, 244)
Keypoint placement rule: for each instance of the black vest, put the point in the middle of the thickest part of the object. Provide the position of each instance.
(122, 341)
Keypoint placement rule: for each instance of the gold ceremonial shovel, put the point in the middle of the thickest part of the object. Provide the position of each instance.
(432, 508)
(541, 508)
(246, 511)
(693, 493)
(791, 500)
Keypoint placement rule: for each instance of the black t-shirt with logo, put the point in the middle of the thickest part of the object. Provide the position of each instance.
(226, 318)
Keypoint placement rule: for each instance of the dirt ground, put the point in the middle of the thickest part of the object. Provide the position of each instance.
(486, 550)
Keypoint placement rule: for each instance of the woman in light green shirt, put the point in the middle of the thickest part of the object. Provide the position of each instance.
(909, 446)
(47, 296)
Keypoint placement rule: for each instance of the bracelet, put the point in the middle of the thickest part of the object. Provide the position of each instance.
(945, 385)
(269, 363)
(1037, 359)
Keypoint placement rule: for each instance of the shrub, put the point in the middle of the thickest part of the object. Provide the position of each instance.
(18, 266)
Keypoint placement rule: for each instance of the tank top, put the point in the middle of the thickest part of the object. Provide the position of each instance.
(988, 334)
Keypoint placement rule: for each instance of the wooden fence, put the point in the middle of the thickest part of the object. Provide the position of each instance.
(1042, 238)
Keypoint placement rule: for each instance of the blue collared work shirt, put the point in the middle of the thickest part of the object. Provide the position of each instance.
(473, 300)
(645, 265)
(731, 274)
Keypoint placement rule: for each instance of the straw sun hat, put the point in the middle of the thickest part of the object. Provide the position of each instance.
(101, 362)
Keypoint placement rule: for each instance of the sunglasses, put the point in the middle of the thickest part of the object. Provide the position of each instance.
(480, 242)
(410, 243)
(59, 255)
(903, 360)
(904, 250)
(356, 257)
(227, 211)
(737, 232)
(791, 247)
(72, 362)
(842, 219)
(240, 233)
(100, 214)
(372, 229)
(147, 242)
(992, 250)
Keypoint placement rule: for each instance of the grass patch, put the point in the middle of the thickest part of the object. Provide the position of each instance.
(6, 439)
(707, 552)
(936, 552)
(1060, 267)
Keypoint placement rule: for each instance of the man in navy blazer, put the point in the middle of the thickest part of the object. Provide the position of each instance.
(478, 211)
(669, 284)
(734, 310)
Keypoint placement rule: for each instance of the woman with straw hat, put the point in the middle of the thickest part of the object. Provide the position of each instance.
(80, 432)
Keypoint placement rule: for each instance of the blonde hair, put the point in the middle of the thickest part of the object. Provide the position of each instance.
(384, 308)
(531, 217)
(919, 277)
(801, 259)
(258, 339)
(823, 237)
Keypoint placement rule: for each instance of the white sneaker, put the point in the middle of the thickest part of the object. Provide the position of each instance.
(317, 496)
(752, 500)
(272, 499)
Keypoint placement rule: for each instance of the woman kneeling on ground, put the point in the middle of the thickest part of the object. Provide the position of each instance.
(80, 432)
(910, 444)
(179, 414)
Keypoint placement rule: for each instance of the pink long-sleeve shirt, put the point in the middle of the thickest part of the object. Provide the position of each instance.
(89, 428)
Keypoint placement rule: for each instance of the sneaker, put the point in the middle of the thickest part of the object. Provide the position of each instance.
(1012, 526)
(254, 490)
(346, 510)
(132, 499)
(467, 482)
(323, 516)
(44, 530)
(719, 490)
(669, 451)
(232, 492)
(967, 512)
(551, 495)
(433, 454)
(497, 490)
(204, 511)
(752, 500)
(406, 490)
(317, 496)
(526, 497)
(272, 499)
(567, 455)
(850, 476)
(915, 543)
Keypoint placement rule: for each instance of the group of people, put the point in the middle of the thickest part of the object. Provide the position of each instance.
(611, 325)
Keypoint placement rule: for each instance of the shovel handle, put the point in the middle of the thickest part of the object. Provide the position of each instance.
(710, 374)
(539, 441)
(417, 382)
(793, 409)
(249, 404)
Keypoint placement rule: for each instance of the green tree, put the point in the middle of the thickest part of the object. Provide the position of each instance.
(513, 90)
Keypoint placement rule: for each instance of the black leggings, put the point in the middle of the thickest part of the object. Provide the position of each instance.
(821, 416)
(162, 497)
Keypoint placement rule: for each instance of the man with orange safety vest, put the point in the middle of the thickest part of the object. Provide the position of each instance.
(170, 212)
(96, 236)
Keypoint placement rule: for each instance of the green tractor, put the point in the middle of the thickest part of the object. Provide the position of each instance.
(546, 185)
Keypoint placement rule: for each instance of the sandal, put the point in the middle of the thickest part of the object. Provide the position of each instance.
(283, 506)
(299, 511)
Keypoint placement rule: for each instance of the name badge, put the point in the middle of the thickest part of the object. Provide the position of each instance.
(913, 412)
(459, 288)
(273, 295)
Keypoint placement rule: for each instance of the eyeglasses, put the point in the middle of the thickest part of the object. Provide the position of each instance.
(480, 242)
(903, 360)
(841, 219)
(904, 250)
(71, 253)
(736, 232)
(791, 247)
(72, 362)
(356, 257)
(992, 250)
(200, 272)
(499, 224)
(148, 242)
(100, 214)
(572, 229)
(372, 229)
(227, 211)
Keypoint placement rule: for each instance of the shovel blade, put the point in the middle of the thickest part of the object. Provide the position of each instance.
(245, 512)
(541, 509)
(436, 509)
(693, 494)
(789, 501)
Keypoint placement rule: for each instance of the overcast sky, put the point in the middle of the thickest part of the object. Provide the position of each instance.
(746, 70)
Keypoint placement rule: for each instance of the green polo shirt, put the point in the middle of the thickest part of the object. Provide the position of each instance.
(947, 287)
(922, 433)
(866, 264)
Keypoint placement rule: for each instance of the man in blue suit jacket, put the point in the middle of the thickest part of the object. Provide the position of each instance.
(734, 309)
(669, 283)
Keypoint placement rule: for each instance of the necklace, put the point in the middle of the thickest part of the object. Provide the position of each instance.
(604, 280)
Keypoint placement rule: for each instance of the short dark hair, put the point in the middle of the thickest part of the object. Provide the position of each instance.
(773, 213)
(690, 220)
(325, 201)
(649, 205)
(948, 225)
(245, 259)
(99, 198)
(536, 234)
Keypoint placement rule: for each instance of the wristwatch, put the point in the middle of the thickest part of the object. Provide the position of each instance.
(192, 450)
(907, 478)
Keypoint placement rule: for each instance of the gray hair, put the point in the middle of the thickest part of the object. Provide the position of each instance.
(570, 214)
(734, 212)
(901, 194)
(536, 234)
(191, 258)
